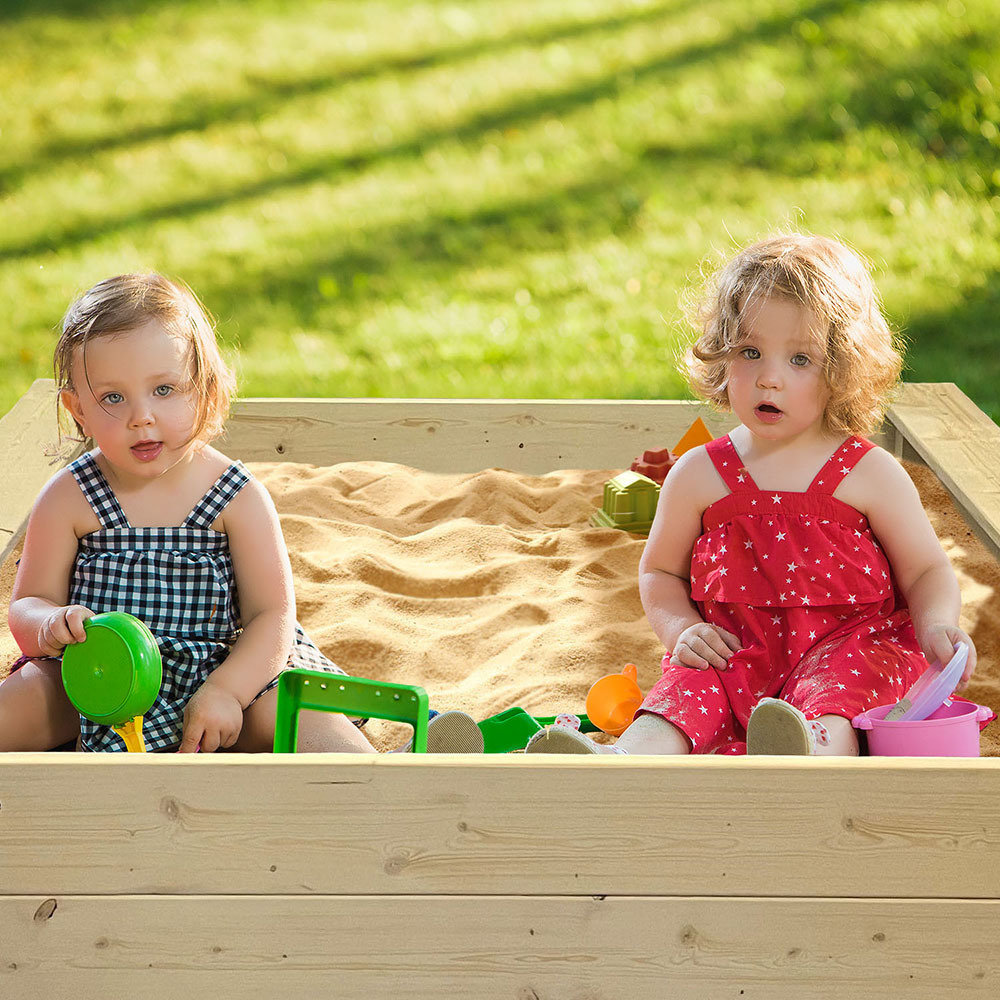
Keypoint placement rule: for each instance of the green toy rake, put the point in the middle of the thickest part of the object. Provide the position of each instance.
(320, 691)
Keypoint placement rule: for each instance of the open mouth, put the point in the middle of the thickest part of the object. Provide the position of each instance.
(146, 451)
(768, 413)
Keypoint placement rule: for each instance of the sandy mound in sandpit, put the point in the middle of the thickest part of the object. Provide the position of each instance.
(492, 589)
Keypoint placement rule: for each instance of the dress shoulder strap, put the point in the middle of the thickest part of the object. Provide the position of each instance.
(839, 465)
(98, 492)
(211, 505)
(730, 466)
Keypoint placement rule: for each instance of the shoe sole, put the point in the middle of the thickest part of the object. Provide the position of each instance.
(454, 732)
(776, 730)
(559, 739)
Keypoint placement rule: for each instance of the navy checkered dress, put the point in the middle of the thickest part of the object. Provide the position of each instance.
(180, 582)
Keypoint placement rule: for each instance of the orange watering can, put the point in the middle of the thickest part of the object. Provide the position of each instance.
(613, 700)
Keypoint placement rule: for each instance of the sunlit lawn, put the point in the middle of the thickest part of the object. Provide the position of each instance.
(493, 198)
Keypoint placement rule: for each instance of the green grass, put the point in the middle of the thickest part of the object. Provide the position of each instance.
(503, 198)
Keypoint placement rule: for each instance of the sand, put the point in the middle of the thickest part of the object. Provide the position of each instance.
(492, 590)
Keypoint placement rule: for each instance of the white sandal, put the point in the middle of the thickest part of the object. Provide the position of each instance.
(560, 739)
(778, 729)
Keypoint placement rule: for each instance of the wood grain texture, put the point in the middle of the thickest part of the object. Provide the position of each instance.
(28, 440)
(499, 824)
(520, 947)
(442, 435)
(513, 877)
(961, 445)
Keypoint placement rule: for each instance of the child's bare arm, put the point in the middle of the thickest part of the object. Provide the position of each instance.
(920, 566)
(40, 620)
(213, 717)
(664, 569)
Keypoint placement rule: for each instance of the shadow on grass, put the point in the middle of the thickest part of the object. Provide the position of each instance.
(388, 259)
(930, 100)
(886, 95)
(267, 95)
(516, 113)
(960, 345)
(16, 10)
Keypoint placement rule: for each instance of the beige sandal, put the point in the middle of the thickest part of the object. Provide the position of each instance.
(778, 729)
(454, 732)
(560, 739)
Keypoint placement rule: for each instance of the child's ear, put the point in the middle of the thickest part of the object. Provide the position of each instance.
(71, 402)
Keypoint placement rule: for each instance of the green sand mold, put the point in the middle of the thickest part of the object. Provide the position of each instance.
(629, 503)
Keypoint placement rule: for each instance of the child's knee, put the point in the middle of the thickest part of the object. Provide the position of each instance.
(35, 713)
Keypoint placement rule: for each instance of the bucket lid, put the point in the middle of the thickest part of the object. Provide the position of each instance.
(115, 673)
(931, 689)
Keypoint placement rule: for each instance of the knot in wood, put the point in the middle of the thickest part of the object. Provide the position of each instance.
(396, 863)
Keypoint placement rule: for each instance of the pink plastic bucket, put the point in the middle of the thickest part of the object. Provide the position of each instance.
(950, 731)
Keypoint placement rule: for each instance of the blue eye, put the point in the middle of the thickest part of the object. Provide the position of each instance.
(163, 390)
(111, 398)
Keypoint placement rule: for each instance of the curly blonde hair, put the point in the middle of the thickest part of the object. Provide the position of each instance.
(127, 301)
(862, 356)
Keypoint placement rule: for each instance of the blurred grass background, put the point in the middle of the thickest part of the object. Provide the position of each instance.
(492, 197)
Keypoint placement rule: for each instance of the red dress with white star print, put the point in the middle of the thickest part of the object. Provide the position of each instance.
(801, 579)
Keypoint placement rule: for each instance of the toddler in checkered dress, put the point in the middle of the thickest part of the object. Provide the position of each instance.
(156, 522)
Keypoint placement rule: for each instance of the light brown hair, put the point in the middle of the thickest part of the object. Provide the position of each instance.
(862, 356)
(126, 302)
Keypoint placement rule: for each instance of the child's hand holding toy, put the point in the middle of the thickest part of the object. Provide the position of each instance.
(63, 627)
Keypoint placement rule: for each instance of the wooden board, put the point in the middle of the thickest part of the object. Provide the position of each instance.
(522, 948)
(30, 455)
(445, 435)
(945, 430)
(500, 877)
(499, 824)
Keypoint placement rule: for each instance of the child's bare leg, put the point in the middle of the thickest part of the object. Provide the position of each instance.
(653, 734)
(648, 734)
(319, 732)
(843, 738)
(35, 713)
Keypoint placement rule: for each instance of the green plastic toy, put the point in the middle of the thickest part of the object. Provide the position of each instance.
(510, 730)
(324, 692)
(114, 675)
(629, 503)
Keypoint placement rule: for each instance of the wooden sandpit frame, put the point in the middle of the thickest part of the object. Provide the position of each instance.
(501, 876)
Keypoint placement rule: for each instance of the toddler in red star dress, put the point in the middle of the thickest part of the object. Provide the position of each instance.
(791, 570)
